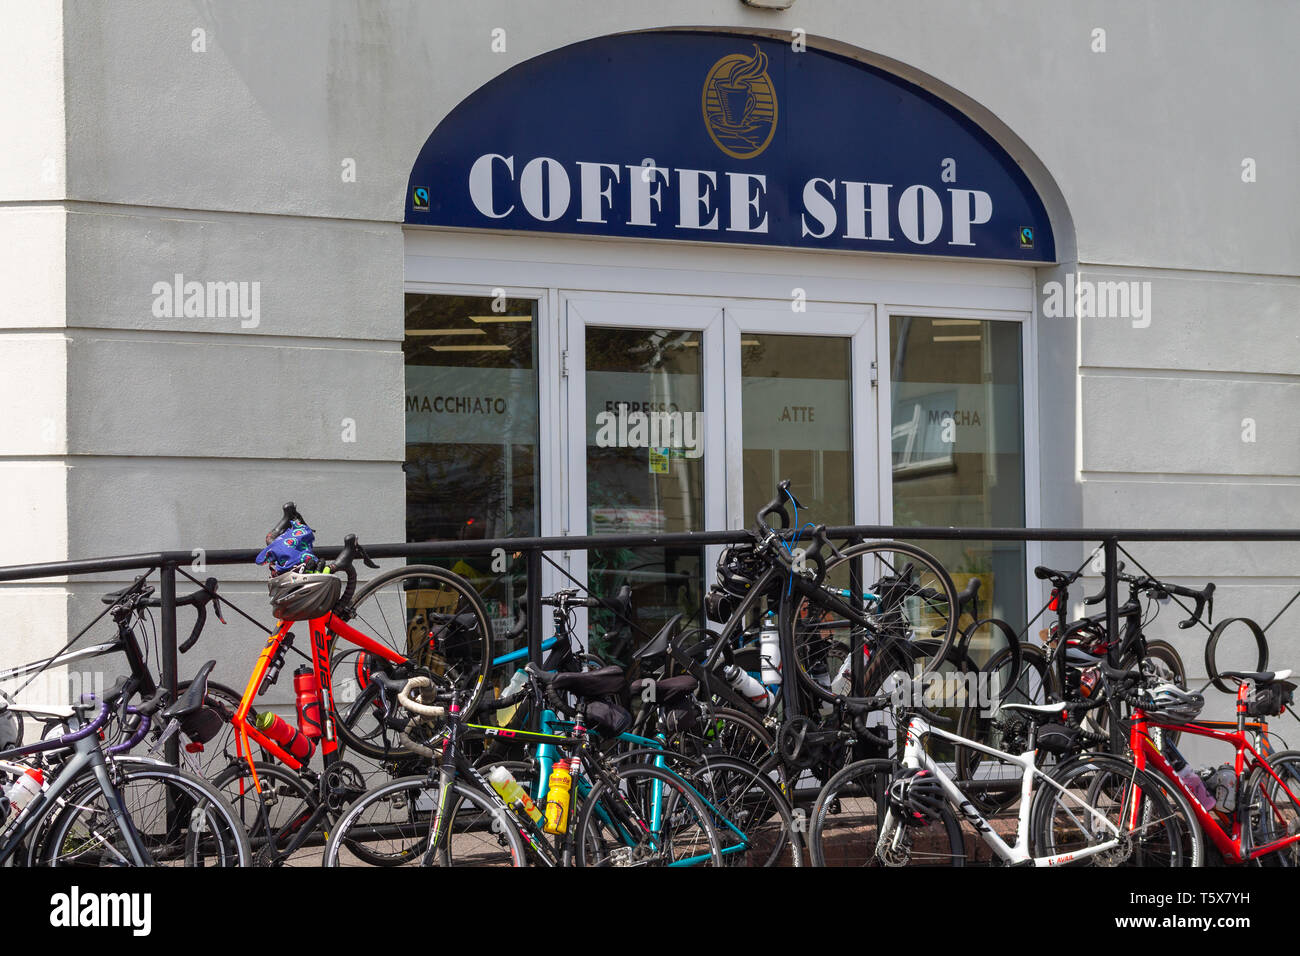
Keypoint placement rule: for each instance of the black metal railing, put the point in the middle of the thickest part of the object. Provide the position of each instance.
(169, 563)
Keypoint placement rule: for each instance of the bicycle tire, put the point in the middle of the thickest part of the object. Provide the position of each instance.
(761, 810)
(464, 659)
(733, 733)
(1262, 800)
(1031, 685)
(1157, 840)
(692, 830)
(80, 830)
(857, 844)
(816, 654)
(284, 790)
(411, 796)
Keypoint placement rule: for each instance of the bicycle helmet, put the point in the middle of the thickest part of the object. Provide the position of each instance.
(916, 797)
(738, 568)
(1169, 702)
(300, 596)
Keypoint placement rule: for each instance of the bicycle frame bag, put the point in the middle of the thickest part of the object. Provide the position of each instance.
(1057, 738)
(1271, 699)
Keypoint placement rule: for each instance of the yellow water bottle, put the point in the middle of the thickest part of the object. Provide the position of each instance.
(504, 783)
(557, 798)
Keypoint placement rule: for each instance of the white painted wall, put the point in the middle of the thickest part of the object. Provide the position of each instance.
(225, 165)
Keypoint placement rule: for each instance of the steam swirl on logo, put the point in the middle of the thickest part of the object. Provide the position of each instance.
(739, 104)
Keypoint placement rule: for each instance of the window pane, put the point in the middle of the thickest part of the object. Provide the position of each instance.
(797, 422)
(958, 447)
(471, 428)
(645, 472)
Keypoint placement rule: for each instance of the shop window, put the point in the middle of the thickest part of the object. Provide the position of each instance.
(471, 428)
(645, 473)
(958, 448)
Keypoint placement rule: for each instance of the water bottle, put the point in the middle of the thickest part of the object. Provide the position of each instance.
(747, 686)
(299, 746)
(1190, 778)
(516, 684)
(307, 694)
(843, 682)
(505, 784)
(769, 649)
(821, 675)
(1224, 782)
(23, 790)
(557, 798)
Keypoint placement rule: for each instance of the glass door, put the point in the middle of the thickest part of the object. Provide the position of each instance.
(802, 405)
(684, 416)
(645, 455)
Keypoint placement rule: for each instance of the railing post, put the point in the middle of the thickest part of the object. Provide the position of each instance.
(534, 585)
(1111, 552)
(1118, 743)
(167, 596)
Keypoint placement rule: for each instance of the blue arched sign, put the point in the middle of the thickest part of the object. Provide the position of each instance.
(723, 138)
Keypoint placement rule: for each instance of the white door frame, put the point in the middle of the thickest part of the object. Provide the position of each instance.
(553, 267)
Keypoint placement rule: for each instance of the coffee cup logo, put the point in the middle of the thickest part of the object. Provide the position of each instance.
(739, 104)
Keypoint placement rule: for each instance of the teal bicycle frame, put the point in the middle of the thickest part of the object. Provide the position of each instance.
(545, 757)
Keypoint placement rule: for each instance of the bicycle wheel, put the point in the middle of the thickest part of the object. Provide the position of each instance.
(756, 824)
(852, 826)
(427, 614)
(909, 601)
(1268, 813)
(1005, 730)
(182, 820)
(290, 802)
(1095, 793)
(210, 757)
(617, 823)
(393, 823)
(730, 733)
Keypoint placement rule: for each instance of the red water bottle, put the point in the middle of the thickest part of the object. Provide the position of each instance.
(307, 692)
(278, 729)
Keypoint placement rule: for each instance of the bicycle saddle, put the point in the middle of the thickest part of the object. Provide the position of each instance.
(659, 643)
(1041, 710)
(1259, 677)
(597, 683)
(666, 691)
(192, 699)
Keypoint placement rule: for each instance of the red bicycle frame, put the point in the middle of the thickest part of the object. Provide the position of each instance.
(1145, 751)
(320, 629)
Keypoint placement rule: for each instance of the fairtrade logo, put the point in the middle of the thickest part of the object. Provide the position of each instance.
(1026, 237)
(420, 197)
(739, 104)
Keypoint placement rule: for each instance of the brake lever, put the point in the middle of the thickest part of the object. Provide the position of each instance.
(365, 558)
(211, 585)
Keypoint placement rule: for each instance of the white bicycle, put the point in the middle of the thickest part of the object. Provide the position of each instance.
(1101, 810)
